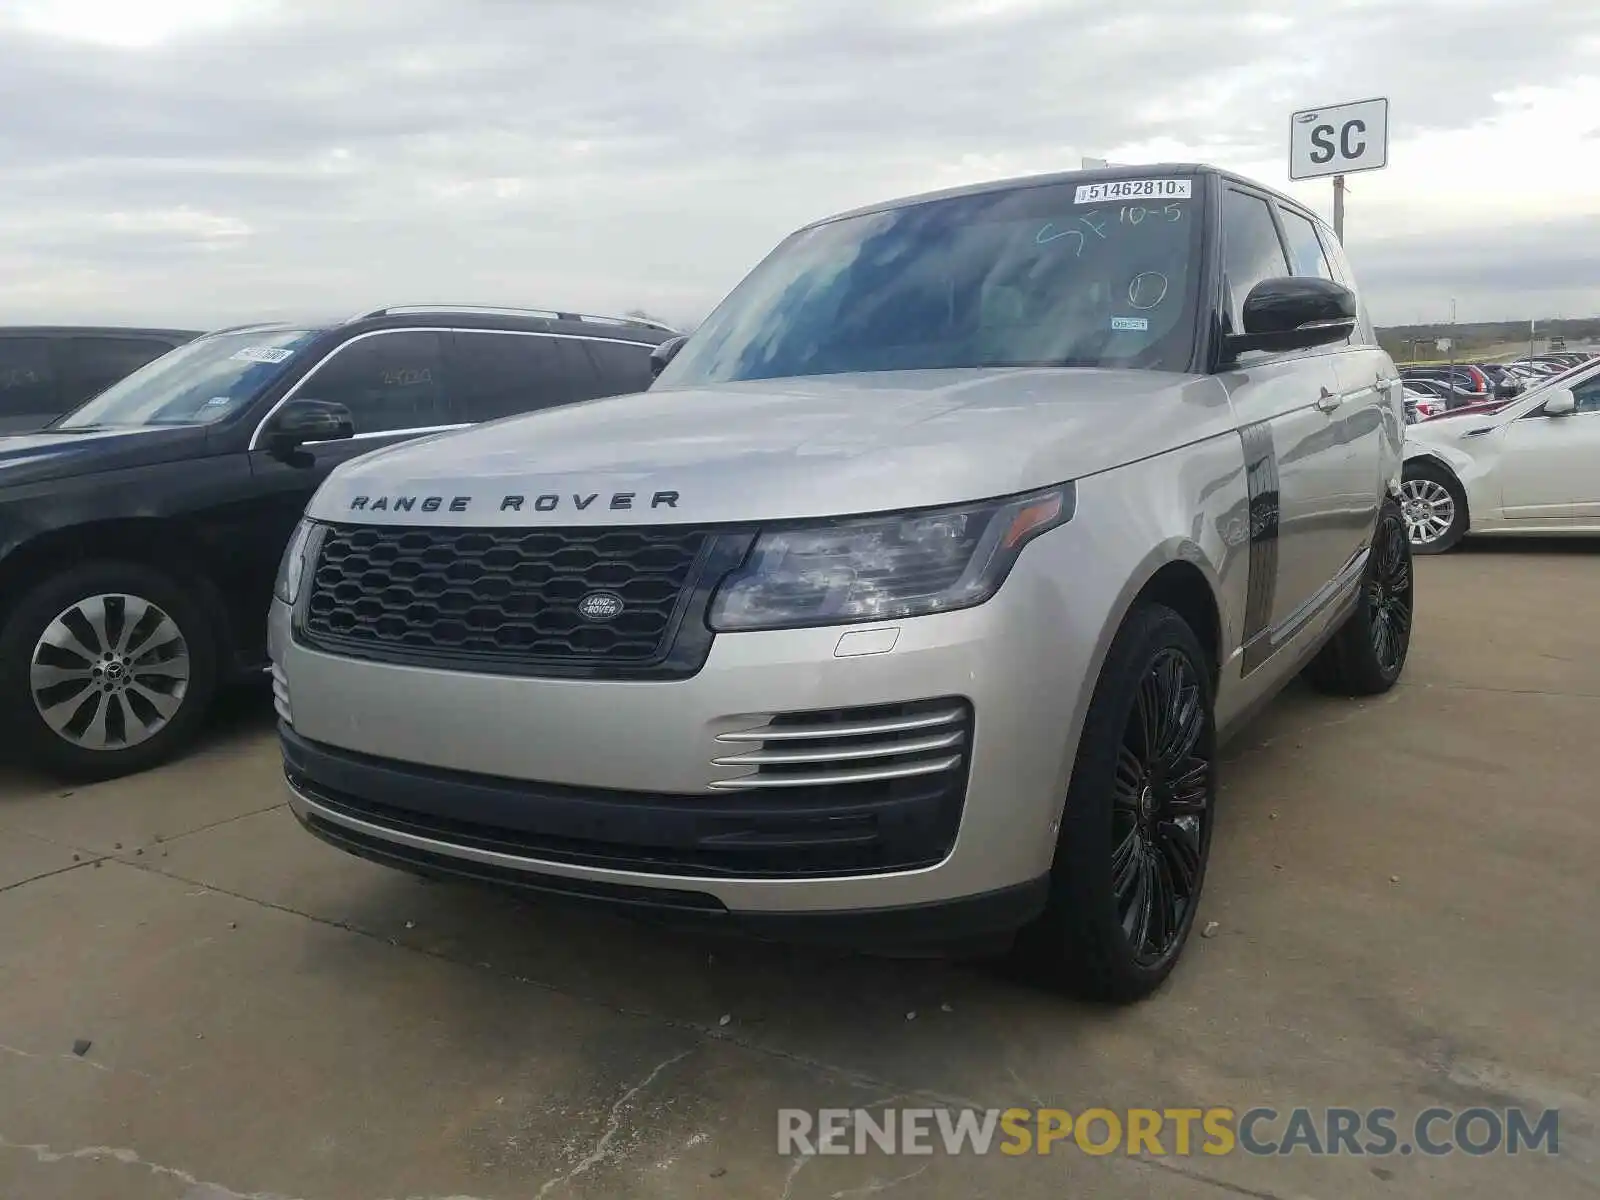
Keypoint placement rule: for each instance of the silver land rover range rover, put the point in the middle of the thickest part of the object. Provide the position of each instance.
(908, 606)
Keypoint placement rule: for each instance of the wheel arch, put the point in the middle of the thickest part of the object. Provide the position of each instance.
(145, 541)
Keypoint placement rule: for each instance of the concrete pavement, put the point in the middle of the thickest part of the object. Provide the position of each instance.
(1403, 889)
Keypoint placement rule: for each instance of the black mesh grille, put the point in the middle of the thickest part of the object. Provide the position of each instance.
(503, 596)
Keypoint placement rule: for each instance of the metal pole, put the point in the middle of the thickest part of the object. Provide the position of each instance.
(1338, 208)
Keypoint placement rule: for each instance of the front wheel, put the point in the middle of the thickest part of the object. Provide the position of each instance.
(1369, 652)
(105, 669)
(1434, 506)
(1136, 827)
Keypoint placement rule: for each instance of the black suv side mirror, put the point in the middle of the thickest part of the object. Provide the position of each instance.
(1294, 314)
(302, 421)
(665, 353)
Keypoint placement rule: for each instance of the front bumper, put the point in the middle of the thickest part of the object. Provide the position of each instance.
(430, 768)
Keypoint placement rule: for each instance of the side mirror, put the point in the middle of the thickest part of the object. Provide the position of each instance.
(1562, 403)
(1294, 314)
(665, 353)
(302, 421)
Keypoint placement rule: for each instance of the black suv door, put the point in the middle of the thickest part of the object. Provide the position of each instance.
(396, 384)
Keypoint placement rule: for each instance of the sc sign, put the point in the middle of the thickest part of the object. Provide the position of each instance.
(1339, 140)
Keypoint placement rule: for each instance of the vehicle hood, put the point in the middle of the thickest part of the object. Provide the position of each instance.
(28, 458)
(809, 447)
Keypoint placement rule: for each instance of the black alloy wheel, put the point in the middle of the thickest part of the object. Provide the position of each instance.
(1160, 807)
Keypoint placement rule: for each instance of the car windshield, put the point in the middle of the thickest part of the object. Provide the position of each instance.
(1073, 274)
(198, 383)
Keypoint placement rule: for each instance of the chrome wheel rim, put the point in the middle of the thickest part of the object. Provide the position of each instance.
(1389, 596)
(1429, 510)
(110, 672)
(1161, 807)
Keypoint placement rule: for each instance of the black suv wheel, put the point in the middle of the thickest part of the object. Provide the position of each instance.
(1136, 828)
(105, 669)
(1369, 652)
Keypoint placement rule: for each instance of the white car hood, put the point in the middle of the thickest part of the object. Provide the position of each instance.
(774, 449)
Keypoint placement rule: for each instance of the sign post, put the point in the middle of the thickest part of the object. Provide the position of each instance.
(1338, 141)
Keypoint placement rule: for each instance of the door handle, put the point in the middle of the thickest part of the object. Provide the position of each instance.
(1329, 401)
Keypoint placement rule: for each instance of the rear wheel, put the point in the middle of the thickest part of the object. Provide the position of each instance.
(1136, 827)
(1369, 652)
(105, 669)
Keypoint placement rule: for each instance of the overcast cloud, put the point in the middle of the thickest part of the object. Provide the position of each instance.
(205, 161)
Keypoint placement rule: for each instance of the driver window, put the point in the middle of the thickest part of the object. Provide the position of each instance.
(388, 381)
(1251, 250)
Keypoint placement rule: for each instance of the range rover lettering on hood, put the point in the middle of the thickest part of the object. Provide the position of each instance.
(549, 502)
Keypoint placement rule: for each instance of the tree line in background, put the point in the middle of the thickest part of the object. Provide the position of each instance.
(1408, 343)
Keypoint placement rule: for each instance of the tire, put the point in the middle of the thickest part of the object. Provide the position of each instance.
(1368, 654)
(136, 709)
(1125, 824)
(1434, 507)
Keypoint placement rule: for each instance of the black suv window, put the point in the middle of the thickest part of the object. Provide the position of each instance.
(92, 364)
(388, 381)
(1305, 249)
(1251, 250)
(503, 374)
(27, 379)
(623, 367)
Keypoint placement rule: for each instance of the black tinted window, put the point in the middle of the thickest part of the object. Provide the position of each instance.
(622, 367)
(503, 374)
(27, 379)
(1305, 248)
(388, 381)
(94, 364)
(1587, 394)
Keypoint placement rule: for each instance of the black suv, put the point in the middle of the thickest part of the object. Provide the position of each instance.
(46, 370)
(139, 534)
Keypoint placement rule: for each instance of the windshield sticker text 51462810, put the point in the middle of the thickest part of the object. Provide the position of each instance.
(263, 354)
(1133, 189)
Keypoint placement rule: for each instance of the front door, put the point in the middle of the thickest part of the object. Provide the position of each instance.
(1288, 409)
(1550, 466)
(395, 384)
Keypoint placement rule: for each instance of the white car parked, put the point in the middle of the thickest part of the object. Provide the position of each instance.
(1532, 467)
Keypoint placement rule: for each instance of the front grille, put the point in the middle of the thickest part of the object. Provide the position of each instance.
(504, 598)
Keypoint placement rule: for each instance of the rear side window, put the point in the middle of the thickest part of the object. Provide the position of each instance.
(504, 374)
(1305, 248)
(27, 378)
(622, 367)
(1251, 250)
(92, 364)
(388, 381)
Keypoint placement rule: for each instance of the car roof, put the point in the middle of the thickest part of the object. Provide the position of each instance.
(1091, 175)
(467, 316)
(94, 331)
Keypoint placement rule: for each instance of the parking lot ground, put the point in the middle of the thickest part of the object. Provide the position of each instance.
(1404, 893)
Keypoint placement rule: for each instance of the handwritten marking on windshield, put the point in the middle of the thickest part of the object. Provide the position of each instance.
(1142, 285)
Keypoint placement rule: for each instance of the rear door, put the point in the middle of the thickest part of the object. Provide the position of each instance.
(29, 396)
(1368, 421)
(1296, 462)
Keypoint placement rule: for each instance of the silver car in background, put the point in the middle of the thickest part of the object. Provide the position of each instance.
(907, 608)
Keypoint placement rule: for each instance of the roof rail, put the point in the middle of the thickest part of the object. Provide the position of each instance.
(548, 314)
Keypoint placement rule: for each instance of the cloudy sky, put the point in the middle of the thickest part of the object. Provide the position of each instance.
(205, 161)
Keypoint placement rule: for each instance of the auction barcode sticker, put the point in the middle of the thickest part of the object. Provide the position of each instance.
(263, 354)
(1133, 189)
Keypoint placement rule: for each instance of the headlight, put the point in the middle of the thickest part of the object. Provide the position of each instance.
(292, 566)
(882, 568)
